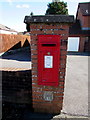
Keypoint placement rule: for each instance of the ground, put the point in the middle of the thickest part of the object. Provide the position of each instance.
(76, 88)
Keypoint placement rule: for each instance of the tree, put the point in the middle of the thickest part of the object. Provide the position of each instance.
(57, 8)
(31, 14)
(55, 0)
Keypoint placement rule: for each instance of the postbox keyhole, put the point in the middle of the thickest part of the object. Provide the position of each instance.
(44, 80)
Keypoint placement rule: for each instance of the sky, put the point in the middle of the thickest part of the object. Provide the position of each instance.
(13, 12)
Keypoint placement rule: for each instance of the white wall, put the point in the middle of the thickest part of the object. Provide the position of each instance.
(73, 43)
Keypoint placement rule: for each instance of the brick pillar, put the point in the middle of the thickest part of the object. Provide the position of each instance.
(44, 25)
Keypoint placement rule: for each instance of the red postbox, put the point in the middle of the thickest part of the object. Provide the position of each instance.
(48, 59)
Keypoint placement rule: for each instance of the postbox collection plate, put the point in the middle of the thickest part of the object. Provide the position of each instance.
(48, 61)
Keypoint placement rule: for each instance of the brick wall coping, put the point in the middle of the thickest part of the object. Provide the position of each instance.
(49, 19)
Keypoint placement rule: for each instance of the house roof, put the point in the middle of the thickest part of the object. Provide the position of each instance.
(75, 29)
(84, 8)
(3, 27)
(49, 19)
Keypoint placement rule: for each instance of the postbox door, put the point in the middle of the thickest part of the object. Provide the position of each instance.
(49, 67)
(48, 59)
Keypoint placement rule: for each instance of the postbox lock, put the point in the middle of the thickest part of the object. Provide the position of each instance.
(44, 80)
(48, 53)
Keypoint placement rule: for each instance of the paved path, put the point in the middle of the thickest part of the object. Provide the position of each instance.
(76, 86)
(19, 60)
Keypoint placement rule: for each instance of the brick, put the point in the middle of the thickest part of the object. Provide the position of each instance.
(34, 65)
(62, 87)
(63, 56)
(62, 70)
(33, 26)
(63, 61)
(34, 76)
(37, 32)
(38, 26)
(59, 94)
(65, 27)
(48, 32)
(21, 91)
(65, 37)
(33, 37)
(62, 78)
(62, 73)
(63, 47)
(55, 103)
(34, 69)
(47, 90)
(60, 32)
(63, 52)
(34, 42)
(42, 104)
(34, 47)
(58, 99)
(35, 85)
(53, 26)
(48, 26)
(33, 56)
(41, 26)
(44, 109)
(37, 96)
(37, 99)
(34, 73)
(34, 51)
(34, 61)
(34, 80)
(37, 92)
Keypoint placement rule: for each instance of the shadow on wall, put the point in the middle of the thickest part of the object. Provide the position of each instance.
(26, 44)
(19, 53)
(78, 53)
(18, 45)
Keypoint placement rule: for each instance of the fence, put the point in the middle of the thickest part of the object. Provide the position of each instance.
(8, 41)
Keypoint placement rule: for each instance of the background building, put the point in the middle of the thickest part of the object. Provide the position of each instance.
(81, 27)
(6, 30)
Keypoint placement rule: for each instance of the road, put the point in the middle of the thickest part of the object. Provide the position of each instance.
(76, 86)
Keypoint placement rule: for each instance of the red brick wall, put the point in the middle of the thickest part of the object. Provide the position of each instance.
(84, 44)
(16, 87)
(81, 44)
(39, 104)
(84, 19)
(79, 17)
(86, 22)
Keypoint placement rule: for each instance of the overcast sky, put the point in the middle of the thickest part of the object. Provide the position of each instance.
(12, 12)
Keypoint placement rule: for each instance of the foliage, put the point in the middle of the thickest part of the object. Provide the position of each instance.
(56, 8)
(31, 14)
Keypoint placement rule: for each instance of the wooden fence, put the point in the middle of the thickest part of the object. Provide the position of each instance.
(8, 41)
